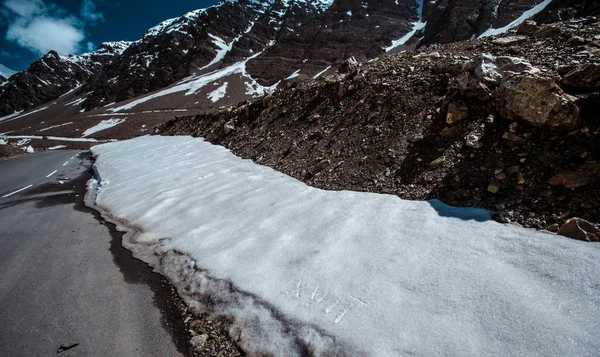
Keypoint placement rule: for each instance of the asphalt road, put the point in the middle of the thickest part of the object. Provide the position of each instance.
(64, 276)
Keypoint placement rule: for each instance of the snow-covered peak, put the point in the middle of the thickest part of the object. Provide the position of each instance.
(5, 71)
(153, 31)
(79, 60)
(113, 48)
(174, 24)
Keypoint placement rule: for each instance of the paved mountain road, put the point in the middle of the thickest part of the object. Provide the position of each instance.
(64, 276)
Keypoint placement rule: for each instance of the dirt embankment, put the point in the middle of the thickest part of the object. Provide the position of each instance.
(9, 152)
(439, 123)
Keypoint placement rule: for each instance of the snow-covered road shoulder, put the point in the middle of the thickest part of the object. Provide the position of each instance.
(303, 270)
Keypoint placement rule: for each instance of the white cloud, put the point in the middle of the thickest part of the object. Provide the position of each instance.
(25, 8)
(42, 34)
(41, 27)
(88, 12)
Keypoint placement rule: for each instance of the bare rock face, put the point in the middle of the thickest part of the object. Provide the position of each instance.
(587, 76)
(459, 20)
(54, 75)
(561, 10)
(536, 101)
(580, 229)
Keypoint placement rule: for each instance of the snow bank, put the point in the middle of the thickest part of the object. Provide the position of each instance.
(303, 270)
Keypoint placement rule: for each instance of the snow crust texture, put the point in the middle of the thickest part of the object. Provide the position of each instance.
(307, 271)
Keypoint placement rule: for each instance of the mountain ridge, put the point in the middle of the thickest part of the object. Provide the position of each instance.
(277, 39)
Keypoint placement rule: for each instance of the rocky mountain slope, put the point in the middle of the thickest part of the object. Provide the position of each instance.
(508, 123)
(54, 75)
(256, 45)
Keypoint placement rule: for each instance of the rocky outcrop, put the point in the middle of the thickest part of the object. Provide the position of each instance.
(536, 101)
(519, 91)
(491, 70)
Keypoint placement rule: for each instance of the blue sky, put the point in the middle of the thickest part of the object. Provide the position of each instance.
(30, 28)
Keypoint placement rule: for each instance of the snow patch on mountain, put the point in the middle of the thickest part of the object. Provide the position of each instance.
(293, 75)
(223, 49)
(76, 102)
(103, 125)
(322, 5)
(10, 116)
(218, 93)
(55, 126)
(417, 26)
(521, 19)
(321, 73)
(191, 85)
(113, 48)
(174, 24)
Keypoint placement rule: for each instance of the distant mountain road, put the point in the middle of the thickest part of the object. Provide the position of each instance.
(64, 277)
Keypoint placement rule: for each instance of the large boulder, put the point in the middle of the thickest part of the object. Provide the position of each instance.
(491, 70)
(587, 76)
(582, 176)
(580, 229)
(536, 101)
